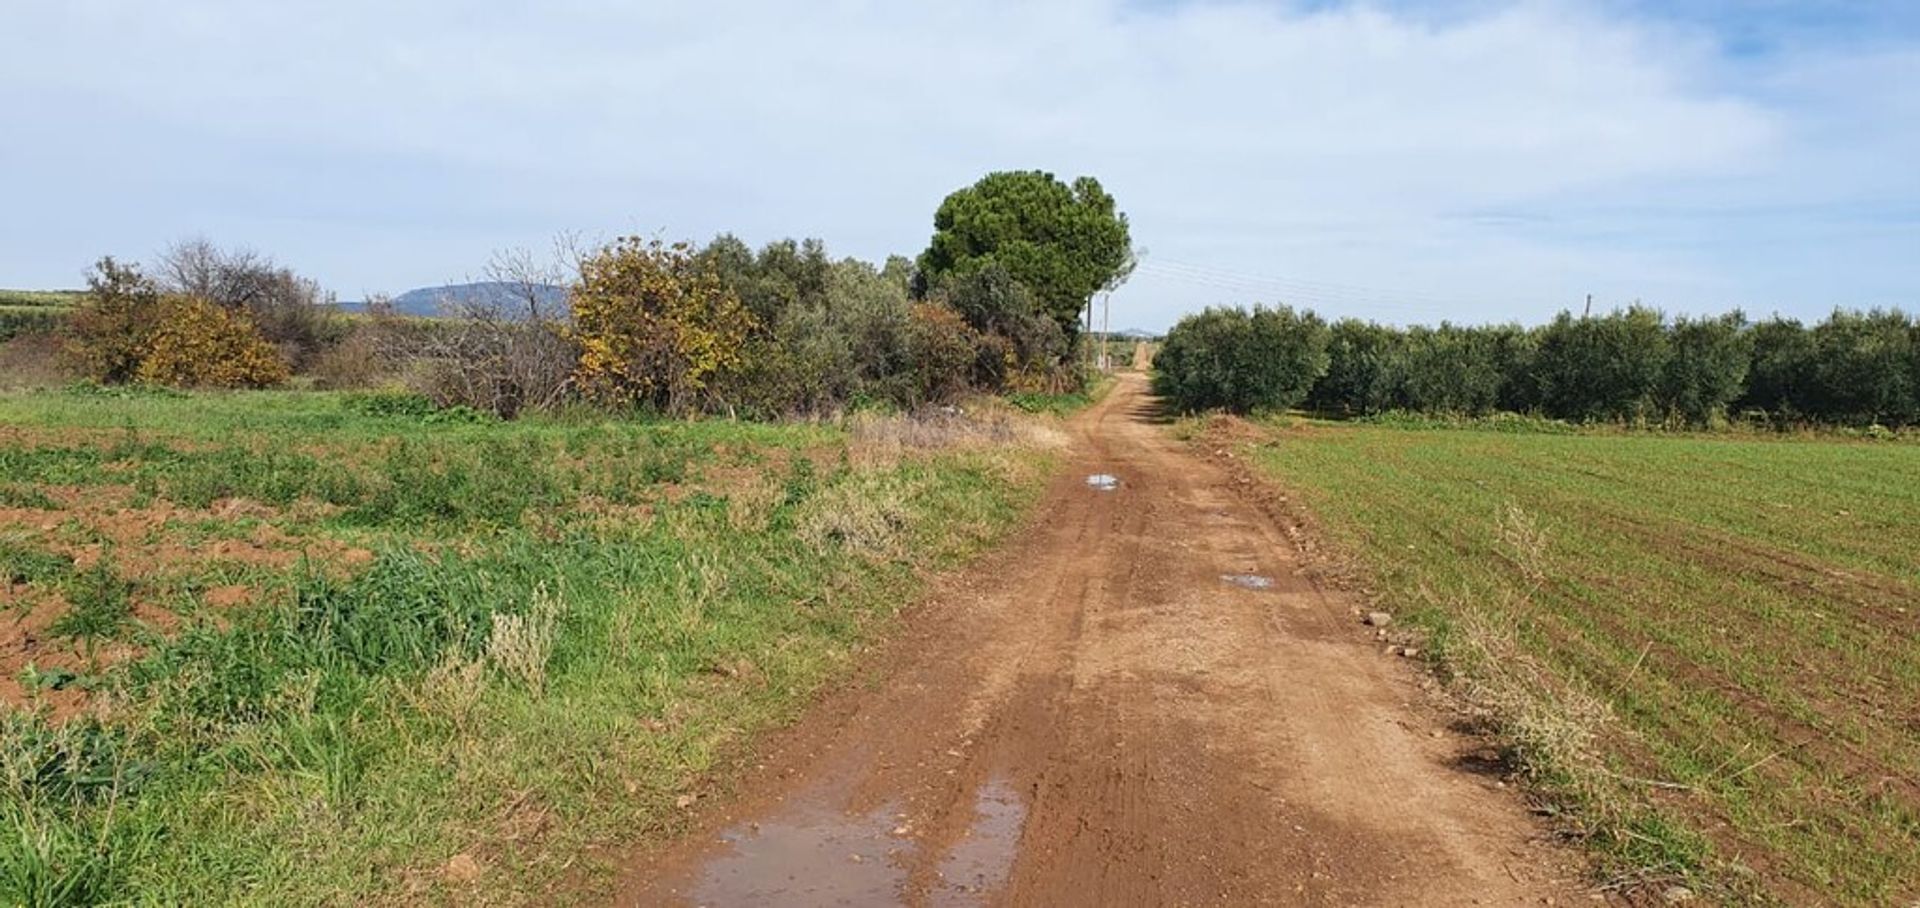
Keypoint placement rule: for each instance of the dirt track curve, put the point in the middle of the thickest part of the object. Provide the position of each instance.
(1096, 715)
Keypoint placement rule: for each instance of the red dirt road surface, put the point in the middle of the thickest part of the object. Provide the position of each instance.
(1099, 714)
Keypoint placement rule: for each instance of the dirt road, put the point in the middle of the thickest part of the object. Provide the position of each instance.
(1114, 711)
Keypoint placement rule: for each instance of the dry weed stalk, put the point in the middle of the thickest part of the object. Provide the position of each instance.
(1525, 544)
(452, 688)
(884, 439)
(868, 514)
(751, 503)
(520, 645)
(1552, 723)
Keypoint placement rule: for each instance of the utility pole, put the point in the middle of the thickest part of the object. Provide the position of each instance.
(1588, 312)
(1088, 334)
(1106, 323)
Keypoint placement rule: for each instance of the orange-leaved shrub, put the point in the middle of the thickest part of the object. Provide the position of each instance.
(198, 344)
(655, 325)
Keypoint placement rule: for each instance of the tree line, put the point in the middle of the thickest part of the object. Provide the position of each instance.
(991, 305)
(1634, 365)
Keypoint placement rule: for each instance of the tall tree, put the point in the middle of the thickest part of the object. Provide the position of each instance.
(1601, 367)
(1063, 242)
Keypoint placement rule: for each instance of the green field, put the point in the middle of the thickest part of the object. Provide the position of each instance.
(1710, 644)
(35, 311)
(41, 299)
(297, 647)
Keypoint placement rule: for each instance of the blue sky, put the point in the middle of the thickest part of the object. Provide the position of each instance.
(1470, 160)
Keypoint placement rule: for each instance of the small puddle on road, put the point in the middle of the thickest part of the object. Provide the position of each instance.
(808, 855)
(1103, 482)
(979, 863)
(811, 854)
(1248, 581)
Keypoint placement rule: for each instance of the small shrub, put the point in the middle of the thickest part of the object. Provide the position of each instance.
(291, 313)
(491, 364)
(108, 333)
(357, 360)
(410, 406)
(656, 325)
(943, 349)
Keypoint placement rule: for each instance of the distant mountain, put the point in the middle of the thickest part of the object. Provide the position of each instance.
(1135, 334)
(429, 302)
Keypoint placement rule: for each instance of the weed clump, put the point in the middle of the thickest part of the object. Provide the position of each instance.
(22, 563)
(868, 514)
(100, 603)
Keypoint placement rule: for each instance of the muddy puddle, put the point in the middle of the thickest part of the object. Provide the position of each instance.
(979, 863)
(1248, 581)
(1103, 482)
(813, 853)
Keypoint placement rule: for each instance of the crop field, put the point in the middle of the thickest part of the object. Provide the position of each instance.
(41, 299)
(303, 647)
(1712, 644)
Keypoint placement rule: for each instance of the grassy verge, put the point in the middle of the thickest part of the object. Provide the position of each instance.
(1707, 648)
(290, 647)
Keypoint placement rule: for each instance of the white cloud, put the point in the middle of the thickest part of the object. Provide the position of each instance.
(383, 145)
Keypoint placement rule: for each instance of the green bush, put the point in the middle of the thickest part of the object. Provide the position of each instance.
(1706, 368)
(1601, 367)
(943, 349)
(1450, 369)
(1863, 369)
(1241, 361)
(1363, 369)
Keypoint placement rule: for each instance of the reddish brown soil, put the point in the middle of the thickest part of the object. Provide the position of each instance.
(145, 546)
(1096, 716)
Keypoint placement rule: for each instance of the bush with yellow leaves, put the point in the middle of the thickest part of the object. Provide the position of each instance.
(655, 325)
(195, 343)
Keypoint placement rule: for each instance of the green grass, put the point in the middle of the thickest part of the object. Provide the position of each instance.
(564, 625)
(1746, 614)
(99, 605)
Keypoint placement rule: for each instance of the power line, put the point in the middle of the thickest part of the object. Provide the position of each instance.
(1322, 289)
(1288, 292)
(1296, 293)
